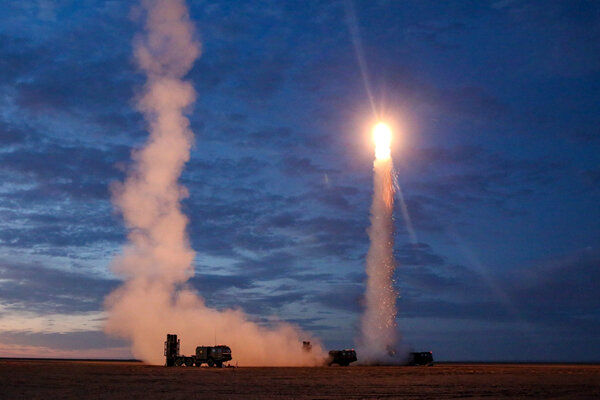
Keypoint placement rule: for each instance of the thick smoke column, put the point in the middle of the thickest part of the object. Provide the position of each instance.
(157, 261)
(379, 339)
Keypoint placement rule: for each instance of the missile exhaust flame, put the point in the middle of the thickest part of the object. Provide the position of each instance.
(382, 136)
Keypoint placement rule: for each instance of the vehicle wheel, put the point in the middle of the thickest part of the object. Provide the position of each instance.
(189, 363)
(198, 364)
(211, 363)
(178, 362)
(219, 364)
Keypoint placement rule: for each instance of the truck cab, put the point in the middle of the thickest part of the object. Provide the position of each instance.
(421, 358)
(212, 355)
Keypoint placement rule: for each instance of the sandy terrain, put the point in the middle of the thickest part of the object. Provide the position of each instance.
(26, 379)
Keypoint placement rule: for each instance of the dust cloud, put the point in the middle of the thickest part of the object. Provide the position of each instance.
(157, 260)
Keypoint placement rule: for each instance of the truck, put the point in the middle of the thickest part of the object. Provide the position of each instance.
(341, 357)
(421, 358)
(213, 356)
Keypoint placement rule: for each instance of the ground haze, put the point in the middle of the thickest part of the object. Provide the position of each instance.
(44, 379)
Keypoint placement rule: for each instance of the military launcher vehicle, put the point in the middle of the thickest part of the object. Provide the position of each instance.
(306, 346)
(341, 357)
(213, 356)
(421, 358)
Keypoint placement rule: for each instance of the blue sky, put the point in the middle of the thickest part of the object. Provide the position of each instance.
(495, 105)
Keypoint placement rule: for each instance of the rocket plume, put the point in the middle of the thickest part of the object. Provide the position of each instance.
(379, 331)
(157, 261)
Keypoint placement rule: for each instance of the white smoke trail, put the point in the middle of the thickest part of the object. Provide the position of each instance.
(157, 261)
(379, 341)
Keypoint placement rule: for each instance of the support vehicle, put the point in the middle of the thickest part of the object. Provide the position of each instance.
(213, 356)
(341, 357)
(421, 358)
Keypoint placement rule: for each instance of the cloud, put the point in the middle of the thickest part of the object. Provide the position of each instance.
(344, 297)
(71, 73)
(337, 197)
(207, 284)
(301, 166)
(561, 290)
(56, 196)
(71, 170)
(33, 287)
(83, 340)
(417, 254)
(10, 135)
(59, 237)
(19, 57)
(258, 304)
(439, 182)
(203, 170)
(555, 292)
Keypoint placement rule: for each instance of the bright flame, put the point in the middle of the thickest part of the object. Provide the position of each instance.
(382, 136)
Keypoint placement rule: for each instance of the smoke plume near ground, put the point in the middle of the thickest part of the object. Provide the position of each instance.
(157, 261)
(379, 341)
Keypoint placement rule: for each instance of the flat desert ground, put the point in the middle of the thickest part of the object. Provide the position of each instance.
(54, 379)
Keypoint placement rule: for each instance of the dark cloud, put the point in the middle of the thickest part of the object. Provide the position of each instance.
(82, 340)
(76, 171)
(235, 220)
(71, 179)
(481, 168)
(18, 56)
(259, 305)
(310, 324)
(10, 135)
(560, 291)
(275, 136)
(337, 197)
(450, 181)
(344, 297)
(312, 277)
(556, 292)
(79, 72)
(301, 167)
(273, 265)
(208, 284)
(38, 288)
(60, 236)
(417, 254)
(283, 220)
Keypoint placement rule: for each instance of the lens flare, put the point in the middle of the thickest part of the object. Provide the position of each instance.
(382, 136)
